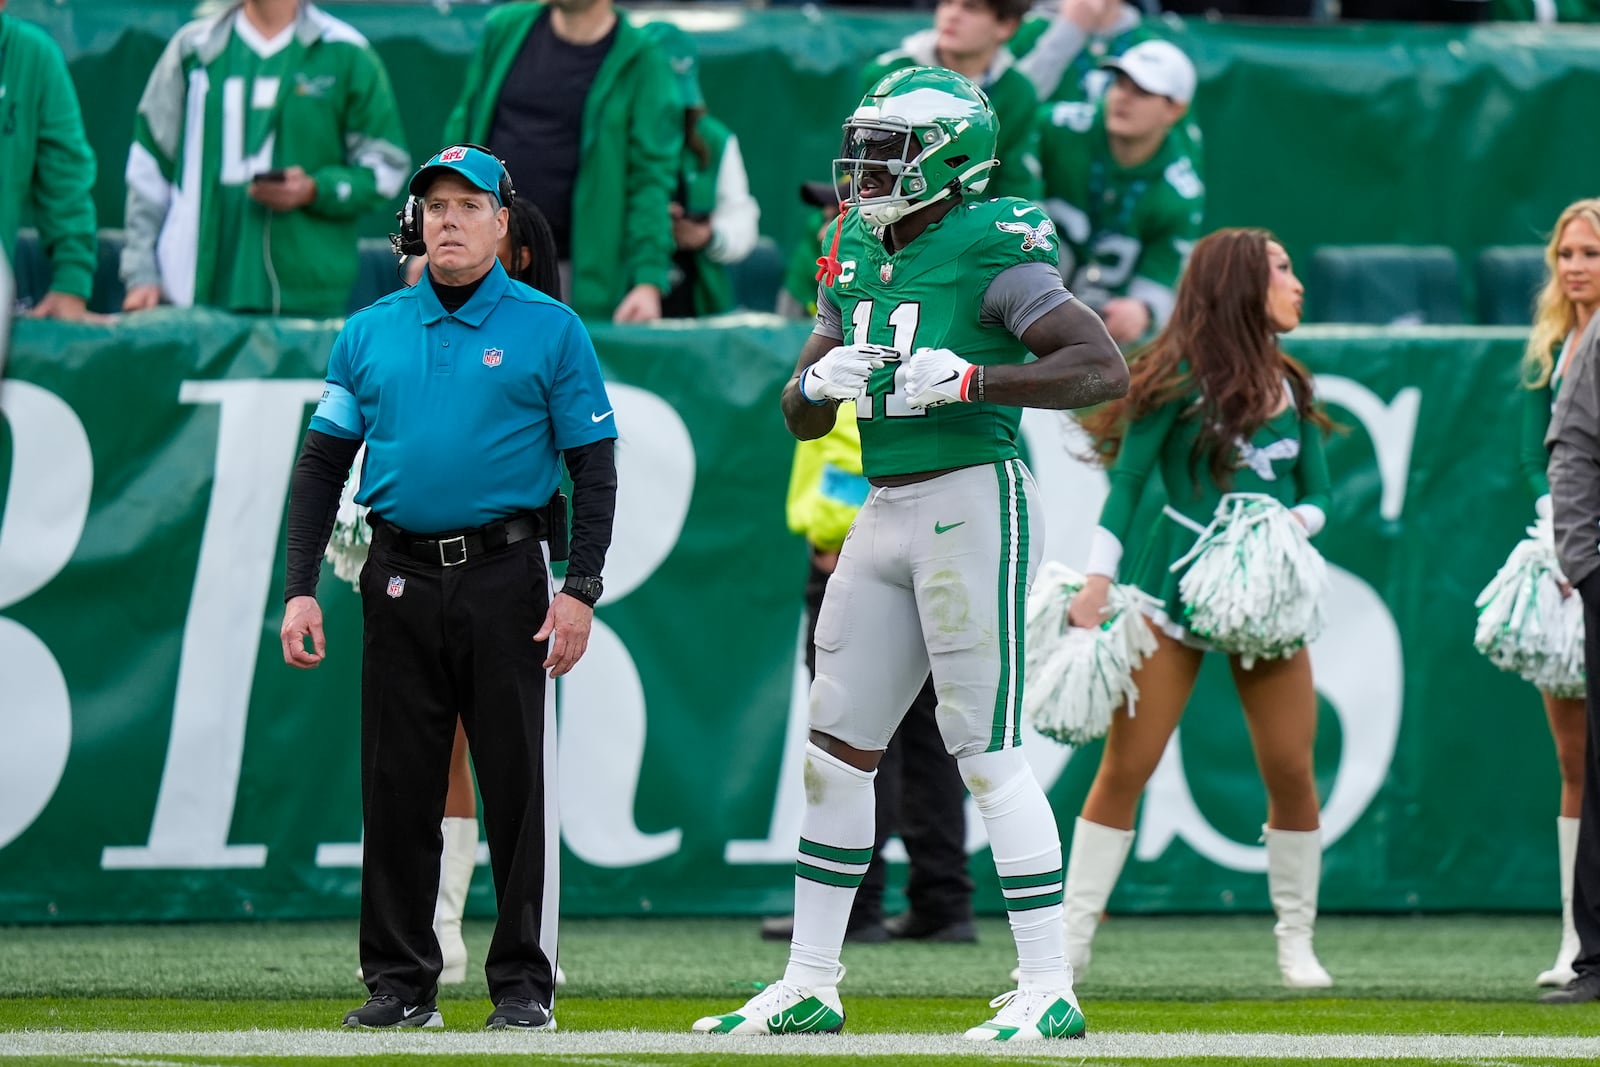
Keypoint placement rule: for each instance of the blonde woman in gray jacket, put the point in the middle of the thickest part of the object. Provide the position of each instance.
(1574, 443)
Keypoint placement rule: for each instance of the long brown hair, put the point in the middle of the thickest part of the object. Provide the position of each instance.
(1221, 344)
(1554, 315)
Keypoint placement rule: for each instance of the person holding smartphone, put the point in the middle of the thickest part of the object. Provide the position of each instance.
(264, 133)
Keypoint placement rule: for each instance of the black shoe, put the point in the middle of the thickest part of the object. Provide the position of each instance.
(386, 1012)
(778, 928)
(912, 927)
(1583, 989)
(781, 928)
(520, 1013)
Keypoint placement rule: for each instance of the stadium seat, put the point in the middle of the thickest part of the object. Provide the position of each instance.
(758, 277)
(108, 290)
(1384, 285)
(376, 276)
(1508, 278)
(32, 268)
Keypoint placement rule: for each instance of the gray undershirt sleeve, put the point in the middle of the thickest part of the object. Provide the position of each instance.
(1020, 296)
(829, 322)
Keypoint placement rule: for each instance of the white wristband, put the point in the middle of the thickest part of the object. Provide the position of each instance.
(1105, 552)
(1313, 517)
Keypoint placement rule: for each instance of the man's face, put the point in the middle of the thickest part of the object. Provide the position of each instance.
(967, 28)
(1132, 112)
(461, 225)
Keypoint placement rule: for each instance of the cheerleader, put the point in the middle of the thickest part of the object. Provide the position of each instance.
(1216, 407)
(1562, 311)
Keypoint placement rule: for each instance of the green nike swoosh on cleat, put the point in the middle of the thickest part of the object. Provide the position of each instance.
(810, 1016)
(940, 528)
(1062, 1020)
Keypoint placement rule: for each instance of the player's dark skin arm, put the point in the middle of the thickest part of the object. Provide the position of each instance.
(1079, 365)
(806, 420)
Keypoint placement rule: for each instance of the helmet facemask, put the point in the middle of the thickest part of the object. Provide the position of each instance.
(921, 135)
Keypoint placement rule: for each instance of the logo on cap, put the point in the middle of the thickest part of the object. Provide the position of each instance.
(453, 155)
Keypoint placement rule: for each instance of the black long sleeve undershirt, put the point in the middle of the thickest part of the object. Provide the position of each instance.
(594, 504)
(314, 491)
(324, 466)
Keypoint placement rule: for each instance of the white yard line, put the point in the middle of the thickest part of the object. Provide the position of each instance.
(225, 1043)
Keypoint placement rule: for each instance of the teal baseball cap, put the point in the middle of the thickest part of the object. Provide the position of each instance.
(473, 164)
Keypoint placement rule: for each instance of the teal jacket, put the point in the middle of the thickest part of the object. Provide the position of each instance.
(46, 167)
(628, 157)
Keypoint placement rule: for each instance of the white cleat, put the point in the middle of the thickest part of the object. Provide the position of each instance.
(1032, 1015)
(781, 1008)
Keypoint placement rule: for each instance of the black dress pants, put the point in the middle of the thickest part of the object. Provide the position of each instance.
(920, 796)
(1586, 872)
(441, 642)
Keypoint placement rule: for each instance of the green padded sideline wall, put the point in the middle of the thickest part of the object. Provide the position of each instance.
(1327, 134)
(159, 761)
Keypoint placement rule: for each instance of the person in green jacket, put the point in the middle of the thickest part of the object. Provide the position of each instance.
(715, 220)
(969, 37)
(264, 133)
(1125, 191)
(584, 110)
(46, 165)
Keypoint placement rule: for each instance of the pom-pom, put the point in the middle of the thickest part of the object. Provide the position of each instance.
(1074, 678)
(1526, 625)
(1255, 585)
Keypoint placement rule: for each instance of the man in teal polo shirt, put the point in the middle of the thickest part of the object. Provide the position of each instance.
(469, 390)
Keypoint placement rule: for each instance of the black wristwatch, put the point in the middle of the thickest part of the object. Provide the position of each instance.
(587, 590)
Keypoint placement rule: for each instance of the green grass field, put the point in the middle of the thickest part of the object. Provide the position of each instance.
(1171, 991)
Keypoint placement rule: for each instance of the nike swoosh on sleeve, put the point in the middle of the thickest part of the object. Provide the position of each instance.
(602, 417)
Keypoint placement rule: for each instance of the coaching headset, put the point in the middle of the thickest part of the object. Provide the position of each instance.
(408, 242)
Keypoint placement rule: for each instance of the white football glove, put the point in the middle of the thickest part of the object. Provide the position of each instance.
(937, 376)
(843, 372)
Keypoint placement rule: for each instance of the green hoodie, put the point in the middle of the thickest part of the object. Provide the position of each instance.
(628, 156)
(45, 161)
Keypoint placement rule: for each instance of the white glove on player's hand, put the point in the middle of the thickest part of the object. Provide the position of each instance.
(843, 372)
(937, 376)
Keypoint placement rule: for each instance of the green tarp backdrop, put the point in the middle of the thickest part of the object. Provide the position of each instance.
(158, 760)
(1328, 134)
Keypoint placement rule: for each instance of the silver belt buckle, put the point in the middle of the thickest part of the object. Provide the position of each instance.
(459, 545)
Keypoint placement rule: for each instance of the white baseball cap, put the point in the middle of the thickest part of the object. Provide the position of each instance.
(1158, 67)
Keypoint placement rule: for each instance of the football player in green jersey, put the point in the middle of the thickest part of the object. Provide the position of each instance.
(1124, 189)
(1565, 305)
(934, 305)
(1215, 406)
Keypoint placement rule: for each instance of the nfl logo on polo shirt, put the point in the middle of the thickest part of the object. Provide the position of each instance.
(492, 357)
(397, 586)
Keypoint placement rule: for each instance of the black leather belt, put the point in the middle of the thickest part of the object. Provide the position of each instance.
(452, 550)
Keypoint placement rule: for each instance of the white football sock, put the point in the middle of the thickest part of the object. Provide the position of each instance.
(1027, 856)
(836, 837)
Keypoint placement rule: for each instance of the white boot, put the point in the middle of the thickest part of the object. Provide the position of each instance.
(456, 862)
(1567, 849)
(1294, 872)
(1093, 867)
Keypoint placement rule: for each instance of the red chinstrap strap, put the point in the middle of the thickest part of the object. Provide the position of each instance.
(828, 267)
